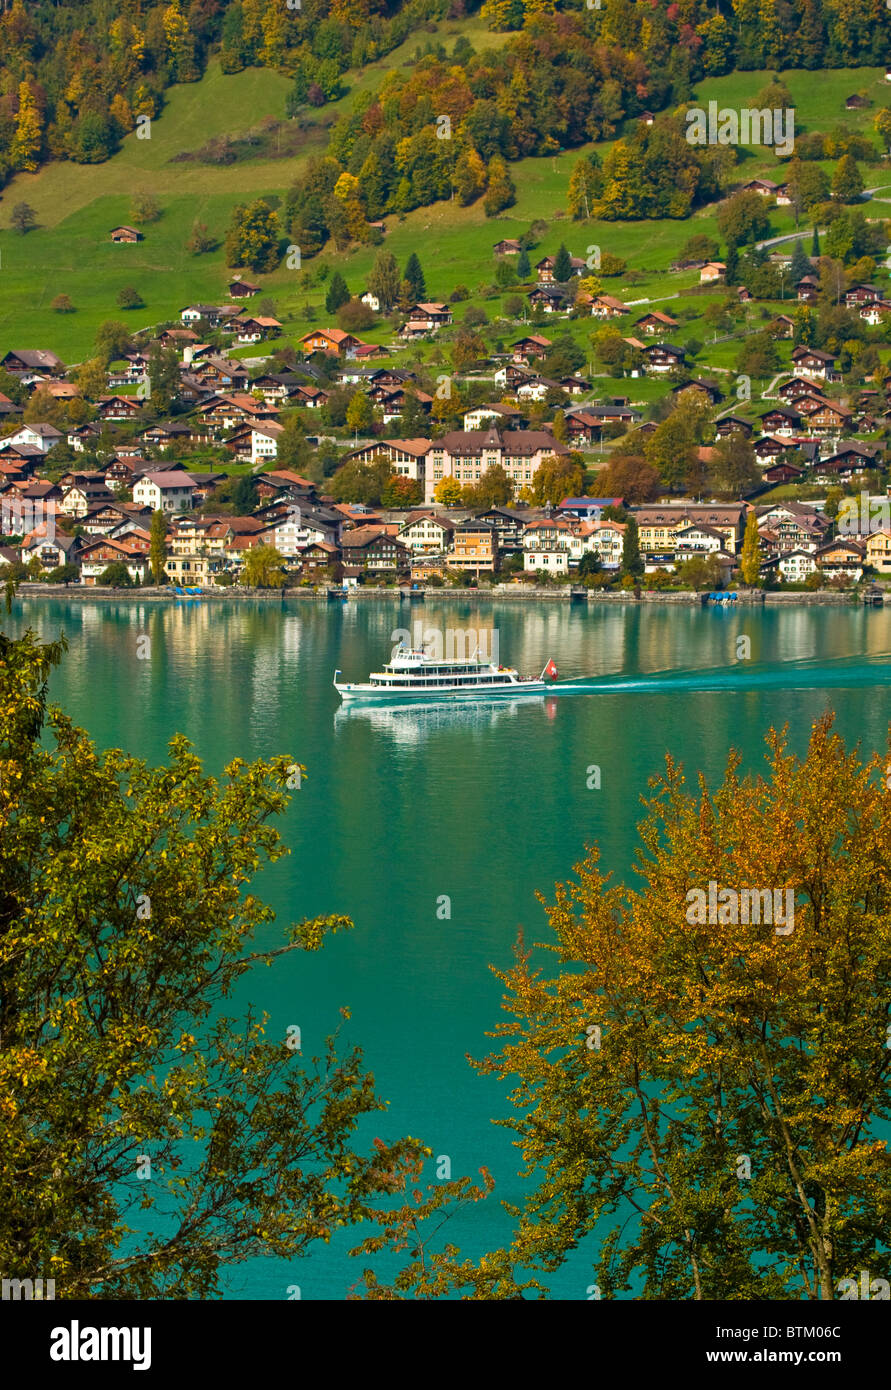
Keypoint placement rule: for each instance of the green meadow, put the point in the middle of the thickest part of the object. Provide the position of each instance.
(69, 252)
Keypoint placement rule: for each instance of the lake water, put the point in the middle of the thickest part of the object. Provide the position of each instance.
(486, 805)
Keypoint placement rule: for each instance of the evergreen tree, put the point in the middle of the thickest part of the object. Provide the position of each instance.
(562, 265)
(632, 561)
(524, 267)
(800, 264)
(338, 293)
(815, 244)
(414, 275)
(750, 560)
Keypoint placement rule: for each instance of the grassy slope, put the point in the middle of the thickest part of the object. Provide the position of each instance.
(69, 252)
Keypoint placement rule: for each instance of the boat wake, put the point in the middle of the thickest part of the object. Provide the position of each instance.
(742, 675)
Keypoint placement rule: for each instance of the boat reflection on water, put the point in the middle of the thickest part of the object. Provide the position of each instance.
(411, 722)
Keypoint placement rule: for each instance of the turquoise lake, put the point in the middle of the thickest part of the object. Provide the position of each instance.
(484, 804)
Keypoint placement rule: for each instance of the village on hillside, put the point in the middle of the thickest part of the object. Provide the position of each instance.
(208, 452)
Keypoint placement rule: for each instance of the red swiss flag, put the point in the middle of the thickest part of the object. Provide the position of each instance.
(551, 670)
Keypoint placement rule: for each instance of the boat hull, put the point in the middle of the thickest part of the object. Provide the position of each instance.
(388, 694)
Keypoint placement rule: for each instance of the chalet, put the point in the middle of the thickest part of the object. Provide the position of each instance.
(165, 436)
(782, 472)
(553, 299)
(312, 397)
(586, 423)
(118, 408)
(276, 387)
(849, 459)
(248, 329)
(510, 376)
(212, 314)
(605, 306)
(332, 341)
(24, 361)
(575, 385)
(434, 315)
(530, 349)
(366, 351)
(697, 539)
(783, 196)
(95, 556)
(707, 391)
(483, 416)
(856, 102)
(371, 549)
(781, 420)
(544, 268)
(226, 412)
(768, 449)
(51, 551)
(8, 407)
(392, 400)
(762, 186)
(320, 556)
(813, 362)
(180, 338)
(61, 390)
(655, 322)
(859, 295)
(77, 500)
(507, 247)
(796, 386)
(536, 388)
(830, 418)
(875, 312)
(782, 326)
(170, 491)
(733, 424)
(711, 271)
(807, 288)
(425, 533)
(300, 528)
(221, 373)
(744, 295)
(842, 559)
(242, 289)
(254, 441)
(604, 538)
(125, 234)
(796, 566)
(41, 436)
(663, 357)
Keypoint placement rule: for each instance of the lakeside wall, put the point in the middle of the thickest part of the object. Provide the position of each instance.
(511, 594)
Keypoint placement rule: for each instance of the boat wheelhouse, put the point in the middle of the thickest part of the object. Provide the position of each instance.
(415, 675)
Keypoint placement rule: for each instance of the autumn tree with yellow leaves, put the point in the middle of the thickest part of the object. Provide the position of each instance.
(147, 1139)
(700, 1092)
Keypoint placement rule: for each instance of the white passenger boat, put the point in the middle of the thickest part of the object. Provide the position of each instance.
(414, 675)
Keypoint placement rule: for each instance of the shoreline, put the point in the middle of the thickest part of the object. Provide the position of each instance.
(688, 597)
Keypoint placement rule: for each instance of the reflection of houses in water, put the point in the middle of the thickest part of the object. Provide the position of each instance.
(411, 724)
